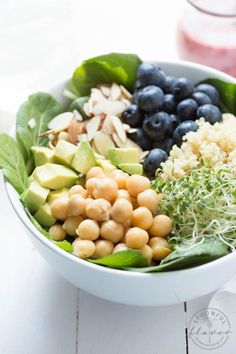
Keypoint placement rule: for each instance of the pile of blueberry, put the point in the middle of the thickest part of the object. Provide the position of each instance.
(164, 109)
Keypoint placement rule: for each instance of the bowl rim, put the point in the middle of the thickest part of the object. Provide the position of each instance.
(22, 215)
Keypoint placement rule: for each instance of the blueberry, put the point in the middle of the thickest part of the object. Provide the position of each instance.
(165, 144)
(150, 99)
(170, 81)
(137, 85)
(153, 161)
(183, 129)
(211, 113)
(157, 126)
(182, 88)
(201, 98)
(132, 116)
(150, 74)
(186, 109)
(210, 90)
(175, 121)
(141, 138)
(169, 104)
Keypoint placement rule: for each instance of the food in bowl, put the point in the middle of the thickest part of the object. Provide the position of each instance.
(124, 175)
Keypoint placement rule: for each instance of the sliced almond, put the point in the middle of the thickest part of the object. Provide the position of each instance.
(61, 121)
(119, 128)
(117, 140)
(109, 107)
(115, 92)
(131, 144)
(75, 128)
(126, 127)
(31, 123)
(96, 96)
(108, 127)
(125, 92)
(50, 145)
(82, 137)
(92, 127)
(105, 89)
(77, 115)
(143, 155)
(102, 143)
(86, 109)
(125, 101)
(69, 94)
(93, 147)
(132, 130)
(48, 132)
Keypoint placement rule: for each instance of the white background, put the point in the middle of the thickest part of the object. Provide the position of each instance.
(41, 42)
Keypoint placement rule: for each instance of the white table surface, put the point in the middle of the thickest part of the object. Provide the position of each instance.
(41, 313)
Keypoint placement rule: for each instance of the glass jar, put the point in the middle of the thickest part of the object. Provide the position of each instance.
(207, 34)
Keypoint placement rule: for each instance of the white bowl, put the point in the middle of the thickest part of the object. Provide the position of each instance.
(130, 287)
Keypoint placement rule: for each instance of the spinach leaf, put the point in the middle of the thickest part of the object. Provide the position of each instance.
(12, 163)
(227, 93)
(113, 67)
(209, 249)
(78, 104)
(122, 259)
(41, 107)
(65, 245)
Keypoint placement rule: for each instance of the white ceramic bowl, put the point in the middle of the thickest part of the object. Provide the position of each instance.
(128, 287)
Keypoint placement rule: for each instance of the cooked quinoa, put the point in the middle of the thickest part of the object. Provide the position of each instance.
(214, 145)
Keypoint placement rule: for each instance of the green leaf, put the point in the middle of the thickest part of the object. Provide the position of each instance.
(122, 259)
(41, 107)
(209, 249)
(78, 104)
(227, 92)
(12, 163)
(113, 67)
(65, 245)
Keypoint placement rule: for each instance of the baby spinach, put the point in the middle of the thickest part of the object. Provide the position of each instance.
(113, 67)
(207, 250)
(12, 163)
(64, 245)
(122, 260)
(227, 91)
(40, 108)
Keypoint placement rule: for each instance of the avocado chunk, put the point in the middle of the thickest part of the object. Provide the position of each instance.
(84, 158)
(132, 168)
(107, 166)
(60, 193)
(118, 156)
(34, 196)
(42, 155)
(64, 152)
(54, 176)
(44, 215)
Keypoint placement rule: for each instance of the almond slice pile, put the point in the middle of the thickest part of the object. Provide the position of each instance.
(104, 128)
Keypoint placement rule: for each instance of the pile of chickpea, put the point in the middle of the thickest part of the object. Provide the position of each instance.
(112, 214)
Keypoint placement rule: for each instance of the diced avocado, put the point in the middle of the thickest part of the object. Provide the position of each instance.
(54, 176)
(53, 195)
(42, 155)
(118, 156)
(132, 168)
(34, 196)
(64, 152)
(84, 158)
(107, 166)
(44, 215)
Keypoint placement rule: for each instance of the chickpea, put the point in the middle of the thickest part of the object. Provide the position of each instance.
(103, 248)
(98, 209)
(88, 230)
(83, 248)
(137, 184)
(57, 233)
(161, 226)
(71, 224)
(77, 189)
(147, 253)
(136, 238)
(142, 218)
(112, 231)
(149, 199)
(95, 172)
(160, 248)
(120, 177)
(121, 210)
(90, 185)
(120, 247)
(126, 224)
(59, 208)
(123, 194)
(105, 188)
(76, 205)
